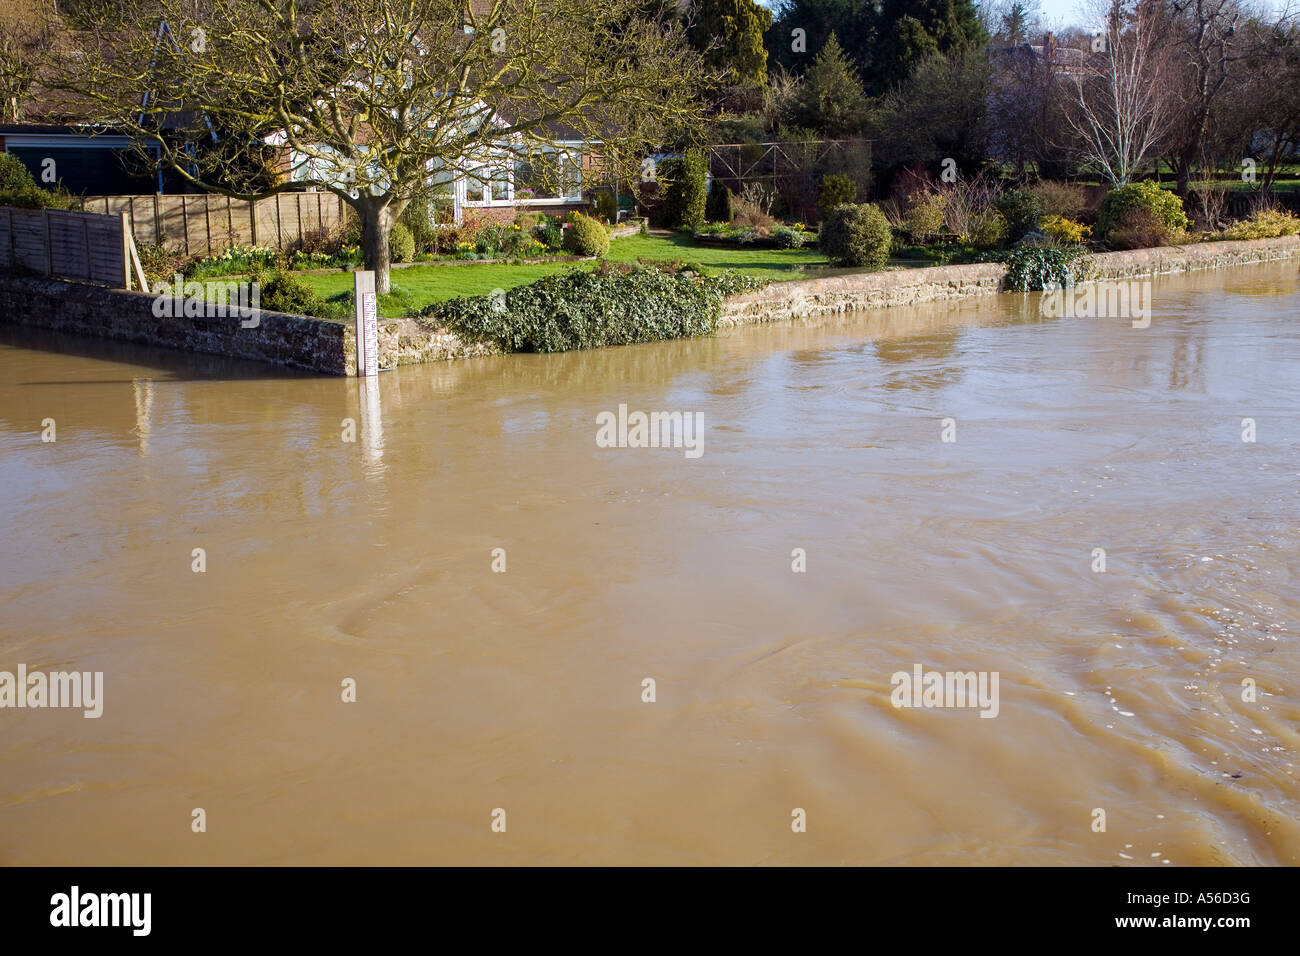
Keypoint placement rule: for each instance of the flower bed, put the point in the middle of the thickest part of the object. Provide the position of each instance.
(778, 236)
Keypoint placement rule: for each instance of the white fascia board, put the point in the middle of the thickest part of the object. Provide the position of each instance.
(32, 140)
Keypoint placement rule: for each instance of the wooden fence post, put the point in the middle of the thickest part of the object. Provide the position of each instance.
(207, 221)
(135, 262)
(252, 218)
(85, 239)
(185, 222)
(157, 223)
(126, 252)
(49, 244)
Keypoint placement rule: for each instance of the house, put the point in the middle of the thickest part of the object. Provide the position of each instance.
(504, 186)
(1051, 56)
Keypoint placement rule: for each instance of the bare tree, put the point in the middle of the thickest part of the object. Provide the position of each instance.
(1207, 52)
(1258, 115)
(374, 98)
(26, 28)
(1124, 107)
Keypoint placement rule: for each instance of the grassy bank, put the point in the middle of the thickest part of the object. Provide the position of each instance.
(426, 284)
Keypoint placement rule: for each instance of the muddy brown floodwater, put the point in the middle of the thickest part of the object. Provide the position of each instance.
(476, 690)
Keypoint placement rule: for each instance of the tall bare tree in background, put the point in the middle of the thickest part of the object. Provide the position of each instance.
(374, 97)
(26, 29)
(1208, 49)
(1124, 104)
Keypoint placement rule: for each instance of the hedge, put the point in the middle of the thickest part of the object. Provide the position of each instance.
(612, 304)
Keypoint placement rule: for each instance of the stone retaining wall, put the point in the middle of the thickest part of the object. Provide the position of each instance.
(291, 340)
(809, 298)
(329, 348)
(1168, 260)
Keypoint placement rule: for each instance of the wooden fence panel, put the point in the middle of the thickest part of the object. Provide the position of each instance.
(80, 246)
(205, 225)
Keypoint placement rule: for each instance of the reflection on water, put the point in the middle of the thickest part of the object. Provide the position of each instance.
(372, 560)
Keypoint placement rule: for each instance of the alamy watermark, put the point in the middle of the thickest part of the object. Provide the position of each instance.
(78, 689)
(75, 909)
(922, 688)
(208, 300)
(1101, 300)
(651, 430)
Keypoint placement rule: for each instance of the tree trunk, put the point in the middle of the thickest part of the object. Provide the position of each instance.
(376, 223)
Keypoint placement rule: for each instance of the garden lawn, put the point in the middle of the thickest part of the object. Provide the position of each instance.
(424, 284)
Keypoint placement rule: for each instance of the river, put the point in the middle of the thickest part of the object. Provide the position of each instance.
(514, 680)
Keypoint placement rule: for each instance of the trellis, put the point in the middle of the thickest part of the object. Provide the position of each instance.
(790, 168)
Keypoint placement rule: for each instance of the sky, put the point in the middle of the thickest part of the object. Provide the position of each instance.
(1059, 13)
(1064, 13)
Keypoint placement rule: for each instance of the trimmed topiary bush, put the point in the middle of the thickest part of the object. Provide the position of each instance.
(686, 198)
(282, 292)
(586, 236)
(418, 218)
(856, 235)
(1022, 211)
(401, 244)
(1165, 208)
(612, 304)
(719, 207)
(836, 190)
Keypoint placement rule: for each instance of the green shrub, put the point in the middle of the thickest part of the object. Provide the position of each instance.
(1035, 268)
(283, 292)
(418, 218)
(1064, 229)
(19, 189)
(1140, 228)
(783, 237)
(1022, 210)
(401, 244)
(988, 229)
(159, 263)
(606, 206)
(500, 240)
(719, 207)
(550, 233)
(612, 304)
(235, 261)
(1165, 208)
(685, 199)
(15, 180)
(856, 235)
(1263, 224)
(924, 216)
(586, 237)
(836, 190)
